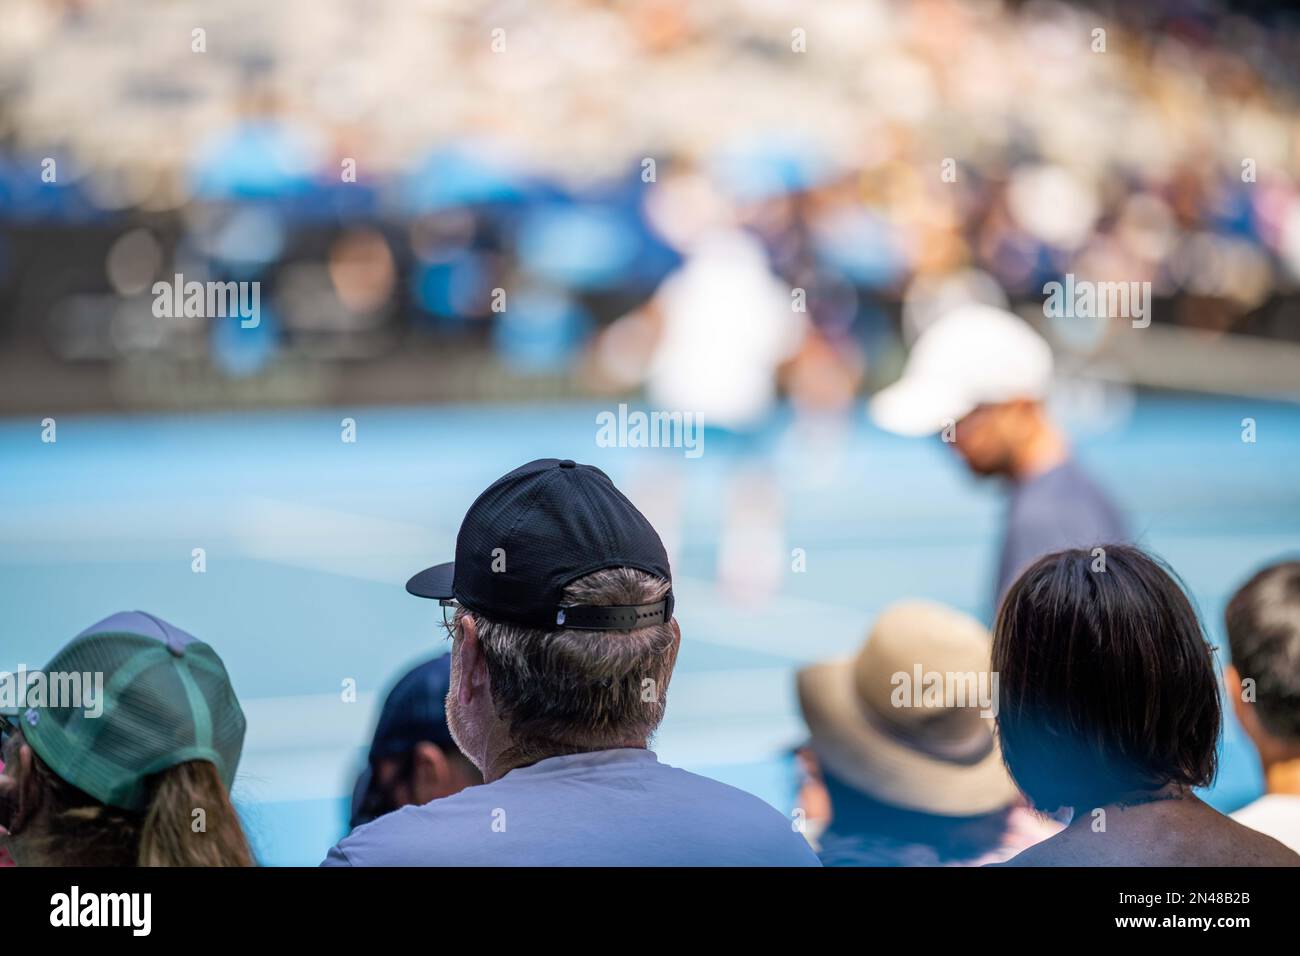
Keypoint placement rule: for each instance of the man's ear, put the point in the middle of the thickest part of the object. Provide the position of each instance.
(430, 772)
(473, 667)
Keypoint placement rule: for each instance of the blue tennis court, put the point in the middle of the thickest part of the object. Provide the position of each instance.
(308, 541)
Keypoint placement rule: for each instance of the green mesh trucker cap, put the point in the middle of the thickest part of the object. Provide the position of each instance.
(166, 699)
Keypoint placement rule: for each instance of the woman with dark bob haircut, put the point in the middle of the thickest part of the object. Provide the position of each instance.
(1108, 704)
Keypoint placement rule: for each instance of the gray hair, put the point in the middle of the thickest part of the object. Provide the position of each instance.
(569, 690)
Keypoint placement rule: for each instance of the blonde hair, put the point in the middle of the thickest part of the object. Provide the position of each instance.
(81, 831)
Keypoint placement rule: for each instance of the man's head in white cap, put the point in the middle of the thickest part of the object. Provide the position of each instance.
(979, 376)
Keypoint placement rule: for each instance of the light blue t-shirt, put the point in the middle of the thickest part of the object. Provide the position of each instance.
(1061, 508)
(606, 808)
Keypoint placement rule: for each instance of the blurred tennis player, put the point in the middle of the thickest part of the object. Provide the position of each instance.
(980, 377)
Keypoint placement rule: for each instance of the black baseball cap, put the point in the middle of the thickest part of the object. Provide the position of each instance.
(536, 530)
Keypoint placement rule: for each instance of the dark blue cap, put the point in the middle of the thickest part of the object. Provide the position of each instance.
(415, 710)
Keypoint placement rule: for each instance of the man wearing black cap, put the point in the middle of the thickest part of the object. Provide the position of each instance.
(563, 646)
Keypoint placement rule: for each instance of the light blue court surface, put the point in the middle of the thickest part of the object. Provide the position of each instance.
(308, 542)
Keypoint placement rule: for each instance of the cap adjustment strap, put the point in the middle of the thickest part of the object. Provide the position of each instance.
(615, 618)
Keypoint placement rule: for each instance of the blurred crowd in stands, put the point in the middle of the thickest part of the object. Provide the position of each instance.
(515, 179)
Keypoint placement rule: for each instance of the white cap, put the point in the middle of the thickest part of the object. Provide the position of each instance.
(974, 355)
